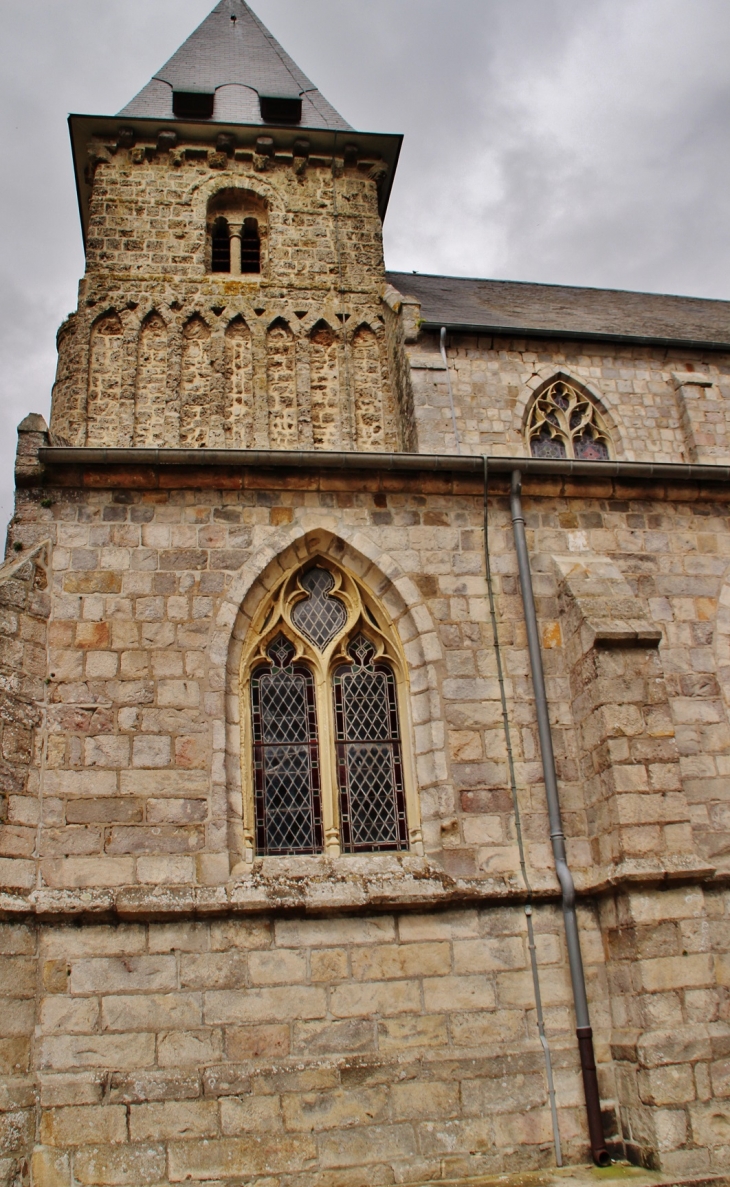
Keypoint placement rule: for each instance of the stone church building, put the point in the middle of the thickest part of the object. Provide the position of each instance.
(364, 686)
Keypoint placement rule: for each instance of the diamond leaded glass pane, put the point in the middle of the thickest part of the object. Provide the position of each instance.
(286, 756)
(369, 762)
(319, 617)
(370, 776)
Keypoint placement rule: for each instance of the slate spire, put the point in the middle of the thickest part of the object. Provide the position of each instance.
(233, 60)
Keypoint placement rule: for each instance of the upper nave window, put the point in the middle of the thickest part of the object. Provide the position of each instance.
(565, 424)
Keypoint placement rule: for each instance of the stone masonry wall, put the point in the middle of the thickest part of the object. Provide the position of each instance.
(311, 1050)
(24, 606)
(151, 576)
(145, 587)
(668, 973)
(661, 405)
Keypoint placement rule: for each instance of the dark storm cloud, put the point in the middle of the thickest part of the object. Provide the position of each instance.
(554, 140)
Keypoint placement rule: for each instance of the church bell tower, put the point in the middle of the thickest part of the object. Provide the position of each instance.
(232, 297)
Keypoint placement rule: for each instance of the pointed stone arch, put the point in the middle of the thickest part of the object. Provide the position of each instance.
(409, 616)
(324, 369)
(196, 412)
(541, 381)
(150, 395)
(105, 379)
(238, 412)
(281, 385)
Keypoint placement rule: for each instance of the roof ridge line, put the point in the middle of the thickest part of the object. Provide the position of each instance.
(232, 48)
(586, 288)
(287, 61)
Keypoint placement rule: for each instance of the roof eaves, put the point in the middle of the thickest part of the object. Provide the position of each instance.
(325, 141)
(587, 335)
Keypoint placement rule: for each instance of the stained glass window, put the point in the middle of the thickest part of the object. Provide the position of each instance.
(287, 791)
(369, 759)
(319, 617)
(564, 423)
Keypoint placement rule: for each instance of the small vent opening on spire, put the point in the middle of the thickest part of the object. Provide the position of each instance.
(193, 105)
(281, 109)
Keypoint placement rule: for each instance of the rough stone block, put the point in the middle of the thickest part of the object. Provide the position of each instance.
(80, 1126)
(173, 1120)
(110, 974)
(107, 1166)
(257, 1154)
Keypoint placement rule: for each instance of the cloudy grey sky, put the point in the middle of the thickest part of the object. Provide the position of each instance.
(574, 141)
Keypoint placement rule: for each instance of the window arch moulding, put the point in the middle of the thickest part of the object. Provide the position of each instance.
(563, 421)
(326, 756)
(237, 233)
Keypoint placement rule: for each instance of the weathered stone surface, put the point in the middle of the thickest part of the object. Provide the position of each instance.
(176, 1006)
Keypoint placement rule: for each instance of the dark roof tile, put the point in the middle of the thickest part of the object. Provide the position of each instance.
(239, 60)
(550, 309)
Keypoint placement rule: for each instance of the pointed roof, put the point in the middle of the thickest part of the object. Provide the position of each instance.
(233, 55)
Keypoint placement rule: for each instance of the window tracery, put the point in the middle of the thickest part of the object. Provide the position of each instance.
(319, 617)
(563, 423)
(325, 758)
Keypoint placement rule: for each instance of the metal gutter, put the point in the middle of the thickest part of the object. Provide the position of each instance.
(517, 331)
(302, 459)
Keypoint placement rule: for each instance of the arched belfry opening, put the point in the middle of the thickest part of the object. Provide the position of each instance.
(250, 247)
(220, 240)
(237, 231)
(326, 760)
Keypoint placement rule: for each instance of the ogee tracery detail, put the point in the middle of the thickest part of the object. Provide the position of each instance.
(563, 423)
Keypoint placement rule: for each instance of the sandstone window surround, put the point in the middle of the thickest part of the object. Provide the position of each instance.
(237, 225)
(326, 755)
(565, 423)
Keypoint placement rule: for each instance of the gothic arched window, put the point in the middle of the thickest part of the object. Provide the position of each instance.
(324, 756)
(563, 423)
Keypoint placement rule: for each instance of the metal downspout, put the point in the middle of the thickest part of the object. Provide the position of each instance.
(583, 1023)
(540, 1018)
